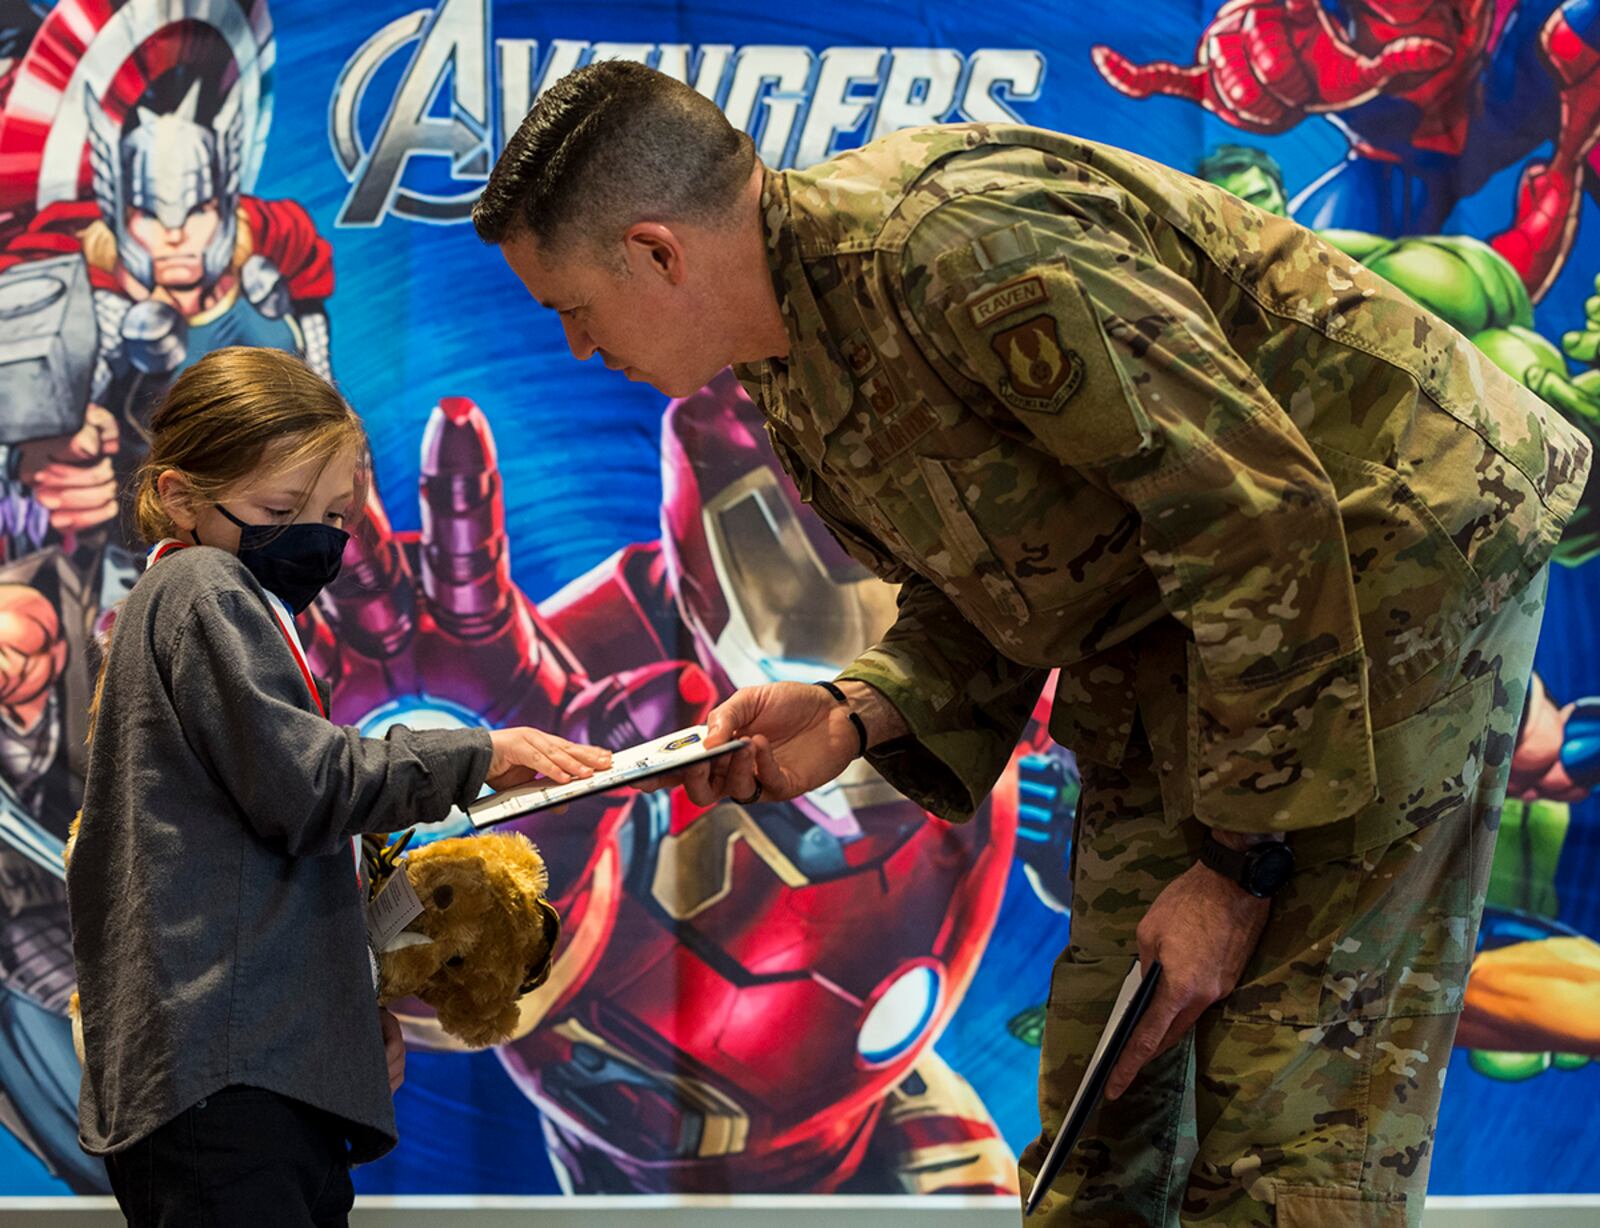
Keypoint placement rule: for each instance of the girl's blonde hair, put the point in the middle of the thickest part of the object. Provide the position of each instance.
(227, 414)
(221, 419)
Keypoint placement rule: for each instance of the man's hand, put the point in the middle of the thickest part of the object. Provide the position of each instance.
(524, 755)
(1203, 928)
(394, 1049)
(800, 739)
(70, 475)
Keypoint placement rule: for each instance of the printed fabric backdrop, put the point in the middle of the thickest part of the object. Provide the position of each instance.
(838, 994)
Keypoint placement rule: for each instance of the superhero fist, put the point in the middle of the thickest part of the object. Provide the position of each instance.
(1583, 344)
(428, 625)
(33, 653)
(1533, 998)
(1047, 806)
(70, 475)
(1576, 396)
(1263, 65)
(1538, 770)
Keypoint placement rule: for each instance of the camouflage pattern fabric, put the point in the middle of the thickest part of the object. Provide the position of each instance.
(1307, 1097)
(1281, 530)
(1064, 394)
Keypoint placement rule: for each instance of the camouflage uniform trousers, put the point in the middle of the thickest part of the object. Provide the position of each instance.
(1308, 1097)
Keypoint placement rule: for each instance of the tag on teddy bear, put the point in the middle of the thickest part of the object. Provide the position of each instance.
(394, 908)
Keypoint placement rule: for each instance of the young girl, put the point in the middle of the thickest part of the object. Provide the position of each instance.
(234, 1061)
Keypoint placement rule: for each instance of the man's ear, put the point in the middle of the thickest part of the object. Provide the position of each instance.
(655, 247)
(177, 499)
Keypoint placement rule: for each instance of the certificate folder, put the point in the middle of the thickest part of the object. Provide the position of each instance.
(1132, 1001)
(662, 757)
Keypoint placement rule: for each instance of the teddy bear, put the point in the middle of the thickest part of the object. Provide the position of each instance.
(486, 934)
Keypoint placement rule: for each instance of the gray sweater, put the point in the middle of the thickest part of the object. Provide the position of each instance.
(217, 926)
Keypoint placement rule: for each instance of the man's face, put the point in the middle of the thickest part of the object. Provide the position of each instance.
(177, 255)
(639, 314)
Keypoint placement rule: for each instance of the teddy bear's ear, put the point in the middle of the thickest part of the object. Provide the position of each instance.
(539, 971)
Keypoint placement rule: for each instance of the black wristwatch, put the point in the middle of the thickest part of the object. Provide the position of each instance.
(1262, 869)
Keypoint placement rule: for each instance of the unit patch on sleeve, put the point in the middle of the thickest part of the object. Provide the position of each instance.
(1041, 372)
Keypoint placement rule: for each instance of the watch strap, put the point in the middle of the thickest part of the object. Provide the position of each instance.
(1230, 863)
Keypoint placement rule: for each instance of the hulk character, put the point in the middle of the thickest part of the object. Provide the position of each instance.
(1535, 981)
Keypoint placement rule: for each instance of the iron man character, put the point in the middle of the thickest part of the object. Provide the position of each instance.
(746, 998)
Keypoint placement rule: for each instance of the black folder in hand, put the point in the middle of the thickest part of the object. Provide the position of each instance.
(1132, 1002)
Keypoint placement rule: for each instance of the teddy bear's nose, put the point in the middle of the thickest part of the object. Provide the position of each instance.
(442, 896)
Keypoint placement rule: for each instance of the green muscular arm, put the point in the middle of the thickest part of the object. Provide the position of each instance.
(1462, 280)
(1466, 283)
(1469, 285)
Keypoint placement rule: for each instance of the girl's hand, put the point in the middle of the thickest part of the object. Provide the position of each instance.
(524, 755)
(394, 1048)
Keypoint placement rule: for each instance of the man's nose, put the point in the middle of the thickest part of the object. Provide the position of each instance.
(578, 341)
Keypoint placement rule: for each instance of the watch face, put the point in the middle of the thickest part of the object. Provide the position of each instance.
(1270, 867)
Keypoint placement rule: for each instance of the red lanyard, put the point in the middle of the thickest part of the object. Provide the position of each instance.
(165, 548)
(299, 659)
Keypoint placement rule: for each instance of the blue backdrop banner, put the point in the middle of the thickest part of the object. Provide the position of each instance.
(838, 994)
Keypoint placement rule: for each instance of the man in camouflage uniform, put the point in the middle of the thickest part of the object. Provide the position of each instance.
(1283, 533)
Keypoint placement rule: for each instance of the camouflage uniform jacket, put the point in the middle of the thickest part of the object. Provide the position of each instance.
(1094, 414)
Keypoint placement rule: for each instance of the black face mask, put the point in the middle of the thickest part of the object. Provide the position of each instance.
(292, 561)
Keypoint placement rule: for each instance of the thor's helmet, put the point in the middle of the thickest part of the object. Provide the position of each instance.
(166, 166)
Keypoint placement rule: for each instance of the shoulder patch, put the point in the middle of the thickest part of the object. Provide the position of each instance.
(1041, 371)
(1035, 362)
(1006, 298)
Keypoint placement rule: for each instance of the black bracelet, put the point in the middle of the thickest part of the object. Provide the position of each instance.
(855, 717)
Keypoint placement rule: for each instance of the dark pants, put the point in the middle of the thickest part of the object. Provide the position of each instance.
(242, 1156)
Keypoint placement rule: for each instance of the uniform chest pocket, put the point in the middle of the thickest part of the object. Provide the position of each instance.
(962, 556)
(1032, 535)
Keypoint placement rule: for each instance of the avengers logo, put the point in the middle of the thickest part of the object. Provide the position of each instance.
(800, 105)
